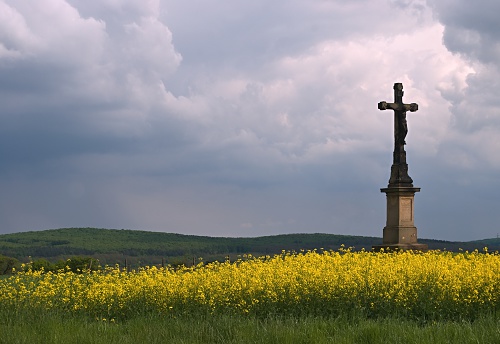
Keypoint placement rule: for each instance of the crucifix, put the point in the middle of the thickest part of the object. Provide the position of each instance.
(399, 168)
(400, 232)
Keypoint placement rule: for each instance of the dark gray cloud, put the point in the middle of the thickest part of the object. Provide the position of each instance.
(471, 31)
(471, 28)
(239, 118)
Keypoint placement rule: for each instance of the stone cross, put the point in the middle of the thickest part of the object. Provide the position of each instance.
(400, 232)
(399, 168)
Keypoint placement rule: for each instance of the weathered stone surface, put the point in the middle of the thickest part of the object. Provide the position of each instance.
(400, 207)
(400, 232)
(399, 168)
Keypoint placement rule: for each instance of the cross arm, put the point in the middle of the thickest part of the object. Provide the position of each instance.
(398, 106)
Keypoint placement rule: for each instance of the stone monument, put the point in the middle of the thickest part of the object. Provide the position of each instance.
(400, 232)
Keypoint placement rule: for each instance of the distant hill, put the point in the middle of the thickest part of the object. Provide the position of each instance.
(113, 246)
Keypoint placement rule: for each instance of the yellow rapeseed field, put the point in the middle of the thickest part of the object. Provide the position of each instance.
(431, 285)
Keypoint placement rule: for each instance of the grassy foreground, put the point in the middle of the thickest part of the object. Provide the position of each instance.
(50, 327)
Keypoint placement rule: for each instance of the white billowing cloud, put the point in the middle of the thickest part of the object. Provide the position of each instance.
(323, 101)
(16, 38)
(145, 47)
(93, 75)
(51, 30)
(55, 34)
(474, 140)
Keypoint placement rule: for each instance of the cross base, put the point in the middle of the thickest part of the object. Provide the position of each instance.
(400, 232)
(400, 247)
(399, 176)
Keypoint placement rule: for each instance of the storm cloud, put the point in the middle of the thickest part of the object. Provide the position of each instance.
(237, 118)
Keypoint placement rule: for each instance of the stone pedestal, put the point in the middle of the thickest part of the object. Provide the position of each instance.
(400, 232)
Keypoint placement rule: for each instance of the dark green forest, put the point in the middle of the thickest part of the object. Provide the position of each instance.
(135, 247)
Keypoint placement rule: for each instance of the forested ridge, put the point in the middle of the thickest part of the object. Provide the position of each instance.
(114, 246)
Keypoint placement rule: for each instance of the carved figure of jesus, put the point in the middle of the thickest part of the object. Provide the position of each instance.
(400, 123)
(399, 169)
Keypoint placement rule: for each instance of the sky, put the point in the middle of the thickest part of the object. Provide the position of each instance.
(247, 118)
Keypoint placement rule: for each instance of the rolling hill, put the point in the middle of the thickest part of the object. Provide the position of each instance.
(114, 246)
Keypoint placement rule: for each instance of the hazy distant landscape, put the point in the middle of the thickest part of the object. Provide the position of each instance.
(115, 246)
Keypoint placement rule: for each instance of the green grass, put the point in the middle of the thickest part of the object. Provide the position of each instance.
(33, 327)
